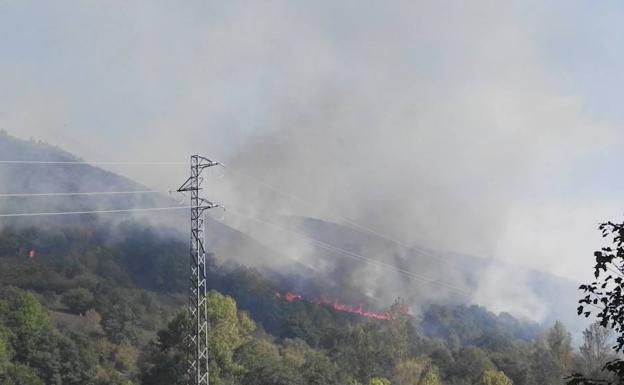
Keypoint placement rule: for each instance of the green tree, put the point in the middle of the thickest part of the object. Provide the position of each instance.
(315, 367)
(378, 381)
(373, 348)
(78, 301)
(64, 360)
(470, 363)
(228, 331)
(164, 361)
(6, 350)
(412, 371)
(559, 341)
(430, 377)
(119, 315)
(19, 374)
(265, 366)
(515, 362)
(494, 377)
(318, 369)
(544, 366)
(29, 322)
(552, 357)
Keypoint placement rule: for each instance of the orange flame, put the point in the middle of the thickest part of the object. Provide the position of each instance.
(359, 310)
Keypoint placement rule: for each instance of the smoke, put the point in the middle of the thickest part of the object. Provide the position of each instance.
(446, 126)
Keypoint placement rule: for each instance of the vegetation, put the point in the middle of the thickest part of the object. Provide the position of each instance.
(83, 312)
(604, 297)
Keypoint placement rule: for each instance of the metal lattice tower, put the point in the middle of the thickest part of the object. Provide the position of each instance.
(198, 306)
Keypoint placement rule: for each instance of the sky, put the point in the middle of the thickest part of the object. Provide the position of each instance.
(489, 128)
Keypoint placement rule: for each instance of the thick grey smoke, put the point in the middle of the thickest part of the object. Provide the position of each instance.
(443, 125)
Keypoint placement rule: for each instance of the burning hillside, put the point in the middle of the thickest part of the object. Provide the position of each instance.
(336, 305)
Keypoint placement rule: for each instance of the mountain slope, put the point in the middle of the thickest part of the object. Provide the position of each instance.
(434, 277)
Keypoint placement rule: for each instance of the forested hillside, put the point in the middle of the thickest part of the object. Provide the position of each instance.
(100, 300)
(95, 306)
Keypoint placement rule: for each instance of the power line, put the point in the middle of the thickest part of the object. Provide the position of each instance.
(351, 222)
(93, 211)
(352, 255)
(44, 162)
(13, 195)
(347, 220)
(317, 242)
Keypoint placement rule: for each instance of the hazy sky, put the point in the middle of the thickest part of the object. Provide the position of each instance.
(487, 127)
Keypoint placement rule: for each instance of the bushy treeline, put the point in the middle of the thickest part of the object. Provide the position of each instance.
(102, 306)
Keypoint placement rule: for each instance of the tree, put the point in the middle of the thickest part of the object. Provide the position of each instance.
(78, 300)
(65, 360)
(515, 362)
(164, 362)
(373, 348)
(595, 350)
(378, 381)
(545, 368)
(119, 315)
(494, 377)
(416, 371)
(410, 371)
(264, 365)
(559, 342)
(19, 374)
(604, 298)
(228, 331)
(315, 367)
(6, 351)
(431, 377)
(553, 356)
(28, 321)
(470, 363)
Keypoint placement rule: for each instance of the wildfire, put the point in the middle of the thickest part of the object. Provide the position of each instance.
(359, 310)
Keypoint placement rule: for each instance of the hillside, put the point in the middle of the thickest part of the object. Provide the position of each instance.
(104, 295)
(333, 273)
(556, 295)
(53, 178)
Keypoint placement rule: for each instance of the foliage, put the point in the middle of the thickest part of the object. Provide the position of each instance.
(111, 323)
(416, 371)
(228, 331)
(430, 378)
(559, 342)
(164, 362)
(78, 300)
(378, 381)
(20, 374)
(470, 363)
(42, 355)
(494, 377)
(595, 351)
(474, 325)
(119, 315)
(604, 298)
(6, 351)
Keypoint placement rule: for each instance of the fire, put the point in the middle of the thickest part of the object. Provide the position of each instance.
(359, 310)
(289, 297)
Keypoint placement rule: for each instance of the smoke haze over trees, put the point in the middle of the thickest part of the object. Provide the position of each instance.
(449, 158)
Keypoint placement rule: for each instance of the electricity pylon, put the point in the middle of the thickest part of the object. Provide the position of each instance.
(197, 354)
